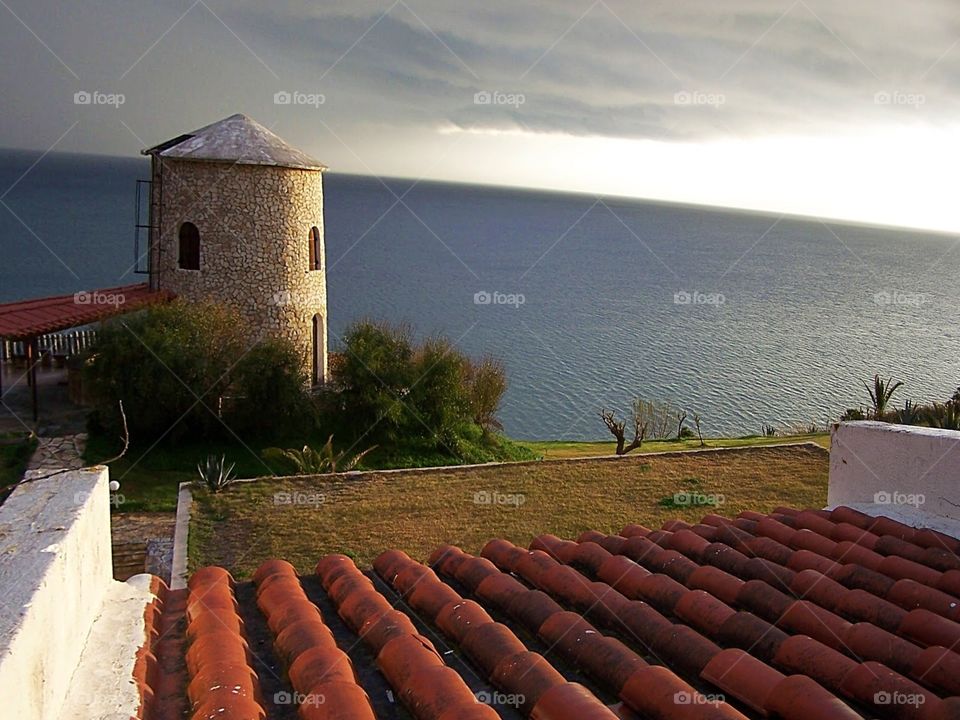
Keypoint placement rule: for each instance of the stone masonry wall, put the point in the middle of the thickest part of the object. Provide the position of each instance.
(254, 224)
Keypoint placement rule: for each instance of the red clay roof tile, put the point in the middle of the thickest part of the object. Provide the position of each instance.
(799, 697)
(746, 631)
(718, 583)
(743, 676)
(807, 618)
(817, 587)
(656, 692)
(860, 606)
(702, 611)
(796, 615)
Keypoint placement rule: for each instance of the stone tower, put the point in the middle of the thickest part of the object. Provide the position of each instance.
(236, 217)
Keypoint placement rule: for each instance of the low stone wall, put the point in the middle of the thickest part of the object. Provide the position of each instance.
(911, 474)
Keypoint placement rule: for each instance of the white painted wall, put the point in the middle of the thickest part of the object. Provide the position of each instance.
(908, 473)
(55, 568)
(69, 632)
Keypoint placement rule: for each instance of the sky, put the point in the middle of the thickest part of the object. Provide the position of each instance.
(844, 110)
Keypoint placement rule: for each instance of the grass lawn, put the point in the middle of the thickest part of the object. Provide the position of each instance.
(550, 449)
(149, 478)
(302, 519)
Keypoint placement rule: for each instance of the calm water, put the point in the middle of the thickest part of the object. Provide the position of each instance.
(783, 321)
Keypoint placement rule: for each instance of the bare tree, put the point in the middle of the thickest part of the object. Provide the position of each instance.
(696, 422)
(681, 419)
(657, 415)
(617, 428)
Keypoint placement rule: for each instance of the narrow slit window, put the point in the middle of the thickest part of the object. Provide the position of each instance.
(319, 349)
(189, 247)
(316, 251)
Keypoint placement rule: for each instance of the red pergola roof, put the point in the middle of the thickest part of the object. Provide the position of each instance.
(28, 318)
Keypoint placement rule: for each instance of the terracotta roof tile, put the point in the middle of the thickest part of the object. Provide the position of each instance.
(794, 615)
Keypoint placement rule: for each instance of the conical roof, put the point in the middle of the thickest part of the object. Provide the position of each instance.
(236, 139)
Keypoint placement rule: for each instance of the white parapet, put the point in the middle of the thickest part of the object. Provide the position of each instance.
(69, 632)
(908, 473)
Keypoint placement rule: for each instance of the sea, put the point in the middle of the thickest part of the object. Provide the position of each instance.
(749, 319)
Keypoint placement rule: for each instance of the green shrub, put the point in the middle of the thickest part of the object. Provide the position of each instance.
(486, 384)
(374, 378)
(169, 365)
(438, 399)
(268, 386)
(395, 392)
(172, 365)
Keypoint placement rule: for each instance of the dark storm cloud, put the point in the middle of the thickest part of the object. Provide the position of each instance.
(626, 69)
(683, 70)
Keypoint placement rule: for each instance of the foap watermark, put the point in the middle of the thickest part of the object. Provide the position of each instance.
(685, 297)
(694, 698)
(900, 98)
(899, 698)
(82, 496)
(282, 298)
(513, 700)
(295, 97)
(496, 97)
(897, 297)
(514, 300)
(95, 97)
(296, 698)
(299, 498)
(494, 497)
(699, 98)
(99, 298)
(697, 499)
(894, 497)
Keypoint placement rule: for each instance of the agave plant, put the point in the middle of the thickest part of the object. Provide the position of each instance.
(310, 461)
(911, 414)
(880, 394)
(214, 473)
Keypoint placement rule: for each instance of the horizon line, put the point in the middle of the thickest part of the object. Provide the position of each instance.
(559, 191)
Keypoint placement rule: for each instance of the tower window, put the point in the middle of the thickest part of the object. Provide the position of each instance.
(189, 247)
(319, 349)
(316, 250)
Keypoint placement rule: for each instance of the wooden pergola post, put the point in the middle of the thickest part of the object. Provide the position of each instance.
(32, 361)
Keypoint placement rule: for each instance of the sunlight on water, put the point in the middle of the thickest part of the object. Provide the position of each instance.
(747, 319)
